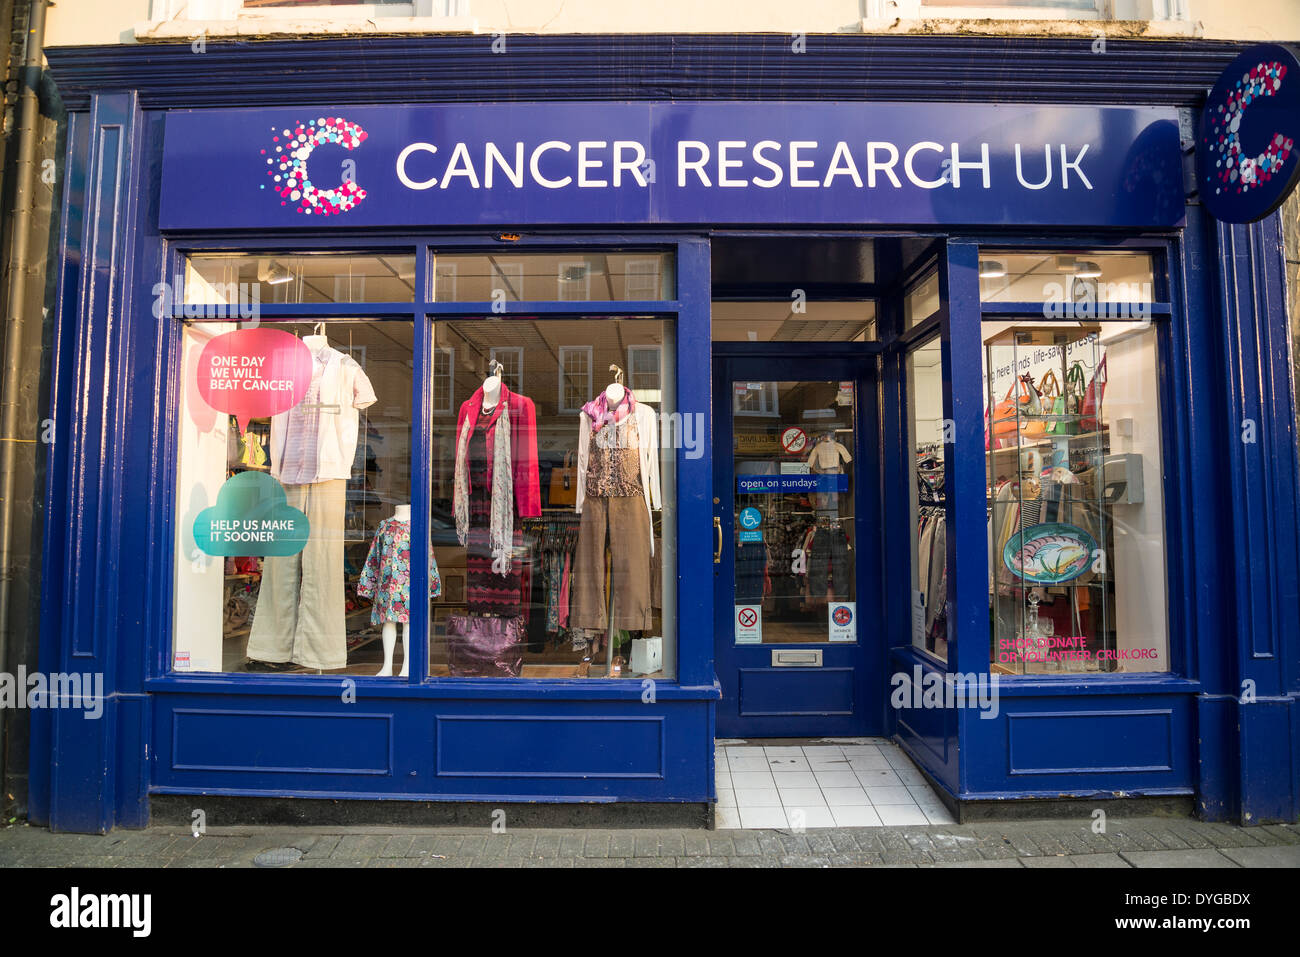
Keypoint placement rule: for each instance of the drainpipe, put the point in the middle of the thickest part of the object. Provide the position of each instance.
(19, 267)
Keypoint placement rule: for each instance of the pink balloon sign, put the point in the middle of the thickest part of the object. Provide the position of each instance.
(252, 373)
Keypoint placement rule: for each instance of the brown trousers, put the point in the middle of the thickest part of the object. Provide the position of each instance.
(301, 616)
(625, 524)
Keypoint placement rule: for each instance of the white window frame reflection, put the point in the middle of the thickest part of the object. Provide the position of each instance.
(564, 376)
(512, 373)
(449, 375)
(769, 401)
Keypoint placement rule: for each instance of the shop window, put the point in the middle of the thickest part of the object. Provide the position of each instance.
(292, 495)
(795, 320)
(512, 365)
(445, 288)
(1075, 499)
(929, 609)
(756, 398)
(507, 276)
(566, 570)
(246, 279)
(444, 379)
(643, 371)
(922, 300)
(574, 376)
(1069, 283)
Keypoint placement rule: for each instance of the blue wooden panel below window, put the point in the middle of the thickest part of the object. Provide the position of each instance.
(1081, 742)
(796, 691)
(268, 740)
(548, 747)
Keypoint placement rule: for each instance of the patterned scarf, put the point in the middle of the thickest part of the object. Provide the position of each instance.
(599, 413)
(502, 523)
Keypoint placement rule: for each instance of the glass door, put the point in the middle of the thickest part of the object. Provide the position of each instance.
(795, 542)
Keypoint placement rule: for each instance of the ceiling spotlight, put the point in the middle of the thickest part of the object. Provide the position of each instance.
(992, 269)
(1087, 269)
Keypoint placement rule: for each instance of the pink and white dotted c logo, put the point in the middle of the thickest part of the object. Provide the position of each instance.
(286, 161)
(1246, 152)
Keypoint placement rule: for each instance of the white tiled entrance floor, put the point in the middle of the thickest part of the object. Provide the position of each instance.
(847, 782)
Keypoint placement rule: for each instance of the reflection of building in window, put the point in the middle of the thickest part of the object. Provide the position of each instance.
(575, 377)
(755, 398)
(444, 370)
(642, 279)
(356, 352)
(512, 365)
(574, 280)
(643, 372)
(444, 282)
(507, 281)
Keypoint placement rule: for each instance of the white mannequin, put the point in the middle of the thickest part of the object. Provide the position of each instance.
(614, 392)
(403, 514)
(492, 386)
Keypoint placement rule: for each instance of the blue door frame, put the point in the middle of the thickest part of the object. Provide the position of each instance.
(844, 696)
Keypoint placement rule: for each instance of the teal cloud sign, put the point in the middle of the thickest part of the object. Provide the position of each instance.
(251, 517)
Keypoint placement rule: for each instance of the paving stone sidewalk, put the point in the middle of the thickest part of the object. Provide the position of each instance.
(1135, 842)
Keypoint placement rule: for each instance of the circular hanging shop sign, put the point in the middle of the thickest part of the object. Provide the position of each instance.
(1246, 156)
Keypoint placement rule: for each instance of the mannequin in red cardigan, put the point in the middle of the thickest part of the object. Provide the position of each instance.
(487, 591)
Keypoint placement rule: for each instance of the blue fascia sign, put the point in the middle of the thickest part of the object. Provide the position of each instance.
(690, 163)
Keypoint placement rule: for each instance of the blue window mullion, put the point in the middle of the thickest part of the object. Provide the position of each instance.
(417, 650)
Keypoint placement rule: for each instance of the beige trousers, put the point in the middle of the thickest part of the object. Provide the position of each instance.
(300, 607)
(624, 523)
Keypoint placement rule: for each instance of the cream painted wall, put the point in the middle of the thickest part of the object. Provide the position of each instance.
(72, 22)
(112, 21)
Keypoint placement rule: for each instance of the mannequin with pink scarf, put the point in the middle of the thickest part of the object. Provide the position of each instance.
(618, 488)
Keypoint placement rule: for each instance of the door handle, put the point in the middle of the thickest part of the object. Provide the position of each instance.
(717, 542)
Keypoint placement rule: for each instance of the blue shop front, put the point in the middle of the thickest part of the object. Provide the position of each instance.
(680, 393)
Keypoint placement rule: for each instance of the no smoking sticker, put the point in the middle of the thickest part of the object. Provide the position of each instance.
(749, 624)
(794, 440)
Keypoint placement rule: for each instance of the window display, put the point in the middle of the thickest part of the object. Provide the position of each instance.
(1076, 538)
(293, 468)
(929, 610)
(554, 557)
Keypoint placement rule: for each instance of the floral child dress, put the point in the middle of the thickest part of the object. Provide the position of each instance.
(386, 577)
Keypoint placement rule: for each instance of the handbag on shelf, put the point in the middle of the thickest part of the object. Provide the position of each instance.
(1074, 389)
(1092, 399)
(1005, 413)
(1032, 424)
(1062, 421)
(564, 483)
(483, 647)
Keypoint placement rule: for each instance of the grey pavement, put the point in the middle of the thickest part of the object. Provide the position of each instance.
(1136, 842)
